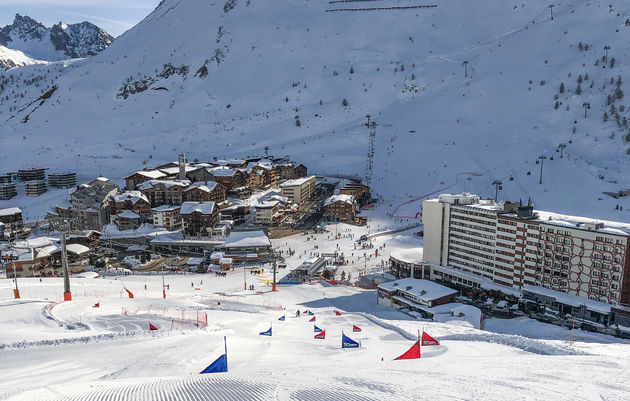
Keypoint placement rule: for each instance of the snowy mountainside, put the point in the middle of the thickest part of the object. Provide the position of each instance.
(59, 42)
(10, 58)
(229, 78)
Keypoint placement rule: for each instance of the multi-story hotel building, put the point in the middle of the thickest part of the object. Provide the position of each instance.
(512, 245)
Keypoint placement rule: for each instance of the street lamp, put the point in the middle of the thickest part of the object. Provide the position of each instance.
(465, 63)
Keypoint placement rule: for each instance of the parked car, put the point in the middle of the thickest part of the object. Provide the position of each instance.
(588, 327)
(624, 335)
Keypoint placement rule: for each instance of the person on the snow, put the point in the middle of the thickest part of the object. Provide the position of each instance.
(297, 314)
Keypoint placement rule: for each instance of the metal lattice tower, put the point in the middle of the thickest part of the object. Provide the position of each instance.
(370, 155)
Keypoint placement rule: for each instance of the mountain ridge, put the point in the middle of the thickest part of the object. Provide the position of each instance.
(58, 42)
(211, 80)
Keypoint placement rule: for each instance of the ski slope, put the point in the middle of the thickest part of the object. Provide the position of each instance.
(87, 353)
(252, 70)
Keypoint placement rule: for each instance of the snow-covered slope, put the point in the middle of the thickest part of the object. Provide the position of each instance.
(10, 58)
(57, 43)
(227, 78)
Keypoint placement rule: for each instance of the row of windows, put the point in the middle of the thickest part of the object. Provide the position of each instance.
(472, 239)
(475, 227)
(469, 252)
(470, 246)
(486, 236)
(488, 223)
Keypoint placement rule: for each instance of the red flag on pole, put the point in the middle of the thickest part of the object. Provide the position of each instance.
(321, 336)
(428, 340)
(412, 353)
(97, 305)
(152, 327)
(356, 329)
(337, 313)
(129, 293)
(305, 312)
(312, 319)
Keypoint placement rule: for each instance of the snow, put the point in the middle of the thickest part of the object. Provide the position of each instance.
(77, 249)
(440, 132)
(296, 182)
(133, 196)
(339, 198)
(151, 183)
(194, 261)
(128, 214)
(245, 239)
(424, 291)
(10, 211)
(11, 58)
(569, 299)
(408, 255)
(199, 207)
(165, 208)
(203, 186)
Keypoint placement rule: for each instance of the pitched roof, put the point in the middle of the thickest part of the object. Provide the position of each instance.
(200, 207)
(340, 198)
(153, 183)
(154, 174)
(133, 196)
(202, 186)
(128, 214)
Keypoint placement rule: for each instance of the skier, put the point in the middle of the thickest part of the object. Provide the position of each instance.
(297, 314)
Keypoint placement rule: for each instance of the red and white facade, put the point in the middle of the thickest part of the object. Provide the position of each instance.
(512, 245)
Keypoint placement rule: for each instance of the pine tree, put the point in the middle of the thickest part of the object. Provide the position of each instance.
(344, 102)
(561, 89)
(351, 70)
(578, 90)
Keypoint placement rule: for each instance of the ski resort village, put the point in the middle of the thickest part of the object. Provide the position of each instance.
(314, 200)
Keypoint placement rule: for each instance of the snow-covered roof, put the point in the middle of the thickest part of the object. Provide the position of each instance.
(200, 207)
(296, 181)
(77, 249)
(266, 166)
(202, 186)
(225, 261)
(10, 211)
(175, 170)
(166, 183)
(340, 198)
(222, 171)
(409, 255)
(609, 227)
(128, 214)
(133, 196)
(424, 290)
(194, 261)
(166, 208)
(569, 299)
(266, 205)
(230, 161)
(154, 174)
(243, 239)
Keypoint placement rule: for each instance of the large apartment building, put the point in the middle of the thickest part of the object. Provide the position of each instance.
(513, 245)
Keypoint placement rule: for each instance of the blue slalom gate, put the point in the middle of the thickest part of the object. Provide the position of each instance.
(317, 329)
(282, 318)
(347, 342)
(266, 333)
(220, 365)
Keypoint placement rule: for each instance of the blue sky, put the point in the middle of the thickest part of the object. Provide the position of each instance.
(114, 16)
